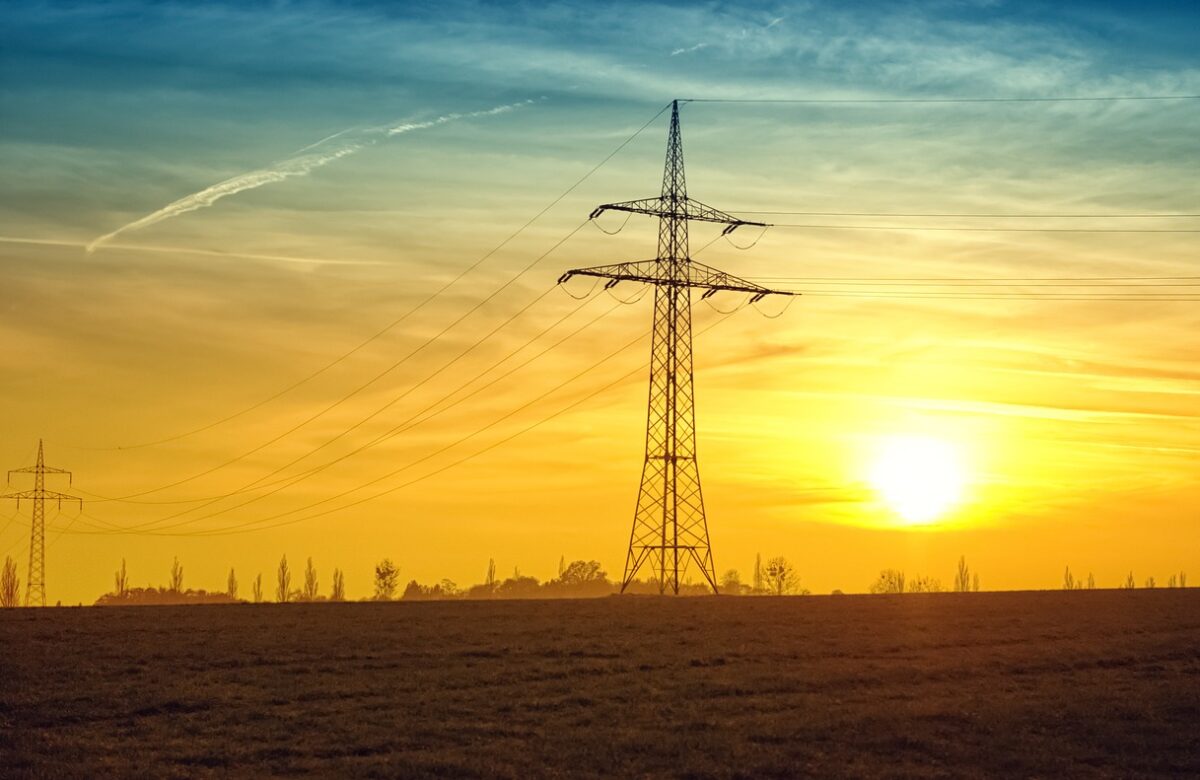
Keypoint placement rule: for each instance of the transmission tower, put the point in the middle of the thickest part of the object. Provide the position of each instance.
(35, 588)
(670, 530)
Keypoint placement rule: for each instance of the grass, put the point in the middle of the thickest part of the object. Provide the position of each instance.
(1099, 683)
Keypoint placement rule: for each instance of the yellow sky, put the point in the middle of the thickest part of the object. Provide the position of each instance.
(1078, 421)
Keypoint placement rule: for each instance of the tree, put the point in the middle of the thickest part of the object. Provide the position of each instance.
(338, 591)
(562, 565)
(10, 585)
(490, 579)
(975, 582)
(1129, 585)
(923, 584)
(580, 578)
(1068, 580)
(731, 581)
(386, 576)
(780, 577)
(962, 580)
(1150, 582)
(310, 582)
(121, 580)
(283, 582)
(176, 577)
(1091, 582)
(257, 590)
(758, 575)
(890, 581)
(231, 585)
(518, 588)
(1183, 579)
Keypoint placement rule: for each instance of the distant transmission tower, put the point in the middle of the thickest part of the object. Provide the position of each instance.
(35, 588)
(669, 527)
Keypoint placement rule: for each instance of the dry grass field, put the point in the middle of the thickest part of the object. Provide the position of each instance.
(1101, 683)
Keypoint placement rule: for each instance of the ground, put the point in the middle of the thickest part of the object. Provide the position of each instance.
(1093, 683)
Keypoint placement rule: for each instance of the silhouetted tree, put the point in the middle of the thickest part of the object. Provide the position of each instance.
(731, 582)
(975, 582)
(490, 580)
(1150, 582)
(1068, 580)
(283, 582)
(256, 590)
(962, 580)
(231, 585)
(1183, 579)
(310, 582)
(176, 577)
(10, 584)
(923, 584)
(758, 586)
(1129, 584)
(580, 578)
(386, 577)
(519, 588)
(562, 565)
(121, 580)
(338, 591)
(889, 581)
(1091, 582)
(780, 577)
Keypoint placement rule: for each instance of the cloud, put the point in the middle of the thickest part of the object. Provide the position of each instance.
(689, 49)
(300, 165)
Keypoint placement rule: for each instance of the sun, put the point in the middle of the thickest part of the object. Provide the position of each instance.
(919, 477)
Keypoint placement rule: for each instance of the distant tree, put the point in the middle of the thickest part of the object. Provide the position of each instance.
(731, 582)
(1068, 580)
(889, 581)
(338, 589)
(975, 582)
(448, 588)
(758, 586)
(176, 585)
(257, 590)
(519, 588)
(121, 580)
(386, 578)
(490, 579)
(962, 580)
(1129, 584)
(780, 577)
(1172, 581)
(1091, 582)
(923, 584)
(580, 578)
(231, 585)
(1183, 579)
(10, 584)
(310, 582)
(562, 565)
(283, 582)
(1150, 582)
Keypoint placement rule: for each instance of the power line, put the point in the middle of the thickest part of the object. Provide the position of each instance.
(408, 313)
(979, 229)
(964, 215)
(402, 427)
(1092, 99)
(363, 386)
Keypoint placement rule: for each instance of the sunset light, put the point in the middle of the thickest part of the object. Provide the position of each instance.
(920, 478)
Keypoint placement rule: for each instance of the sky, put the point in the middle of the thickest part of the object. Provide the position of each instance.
(204, 204)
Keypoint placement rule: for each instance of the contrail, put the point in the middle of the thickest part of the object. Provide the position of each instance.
(293, 166)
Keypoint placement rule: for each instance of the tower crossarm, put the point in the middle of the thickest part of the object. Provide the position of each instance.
(48, 495)
(679, 208)
(704, 277)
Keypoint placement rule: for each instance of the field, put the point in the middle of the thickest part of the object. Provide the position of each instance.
(1099, 683)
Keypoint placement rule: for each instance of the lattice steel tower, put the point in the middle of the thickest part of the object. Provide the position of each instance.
(670, 530)
(35, 586)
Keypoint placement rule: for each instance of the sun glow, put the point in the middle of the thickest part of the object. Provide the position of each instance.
(920, 478)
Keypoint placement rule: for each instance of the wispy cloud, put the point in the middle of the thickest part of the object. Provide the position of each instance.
(297, 165)
(689, 49)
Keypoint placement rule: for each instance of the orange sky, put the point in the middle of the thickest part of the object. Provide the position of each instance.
(1078, 421)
